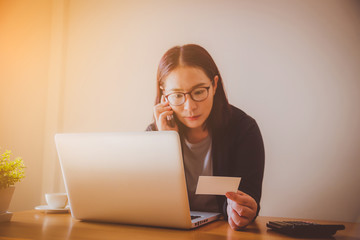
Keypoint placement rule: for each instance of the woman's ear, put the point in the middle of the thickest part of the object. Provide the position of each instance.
(216, 79)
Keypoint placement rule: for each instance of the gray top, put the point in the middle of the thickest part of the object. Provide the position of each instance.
(198, 162)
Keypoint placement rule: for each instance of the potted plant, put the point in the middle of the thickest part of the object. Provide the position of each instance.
(11, 171)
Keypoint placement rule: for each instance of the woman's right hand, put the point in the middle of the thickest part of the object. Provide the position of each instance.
(161, 113)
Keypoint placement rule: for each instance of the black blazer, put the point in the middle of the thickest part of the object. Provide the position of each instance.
(238, 151)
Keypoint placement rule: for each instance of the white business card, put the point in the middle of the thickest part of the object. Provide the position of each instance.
(214, 185)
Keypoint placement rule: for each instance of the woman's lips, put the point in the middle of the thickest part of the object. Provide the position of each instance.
(193, 117)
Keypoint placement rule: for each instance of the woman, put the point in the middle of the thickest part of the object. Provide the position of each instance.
(217, 138)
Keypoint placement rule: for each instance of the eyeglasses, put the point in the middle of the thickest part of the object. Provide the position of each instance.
(178, 98)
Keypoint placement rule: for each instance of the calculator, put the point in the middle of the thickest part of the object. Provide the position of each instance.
(304, 229)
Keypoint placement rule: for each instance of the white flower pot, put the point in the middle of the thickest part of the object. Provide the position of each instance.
(5, 198)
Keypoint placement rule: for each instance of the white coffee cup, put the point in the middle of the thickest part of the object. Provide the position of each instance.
(56, 200)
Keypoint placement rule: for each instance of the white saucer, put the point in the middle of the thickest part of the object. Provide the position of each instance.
(48, 209)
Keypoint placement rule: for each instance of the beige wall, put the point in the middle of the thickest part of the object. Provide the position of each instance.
(292, 65)
(24, 54)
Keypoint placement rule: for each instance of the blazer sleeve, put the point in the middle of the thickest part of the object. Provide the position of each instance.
(247, 159)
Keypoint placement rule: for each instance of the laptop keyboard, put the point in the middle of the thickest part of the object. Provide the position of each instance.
(194, 217)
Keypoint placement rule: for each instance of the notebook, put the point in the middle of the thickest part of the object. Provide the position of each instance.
(127, 177)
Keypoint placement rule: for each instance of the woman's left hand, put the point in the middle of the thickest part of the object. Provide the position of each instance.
(241, 209)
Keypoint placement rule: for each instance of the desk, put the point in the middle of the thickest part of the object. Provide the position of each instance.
(38, 225)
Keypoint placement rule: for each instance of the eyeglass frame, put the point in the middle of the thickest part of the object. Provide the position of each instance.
(188, 93)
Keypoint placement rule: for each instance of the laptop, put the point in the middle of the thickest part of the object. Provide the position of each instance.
(127, 177)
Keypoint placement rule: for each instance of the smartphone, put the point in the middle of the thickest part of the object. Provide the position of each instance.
(170, 119)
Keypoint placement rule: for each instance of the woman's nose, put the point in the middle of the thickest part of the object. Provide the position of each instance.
(189, 104)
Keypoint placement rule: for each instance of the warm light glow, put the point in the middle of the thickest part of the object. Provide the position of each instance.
(80, 66)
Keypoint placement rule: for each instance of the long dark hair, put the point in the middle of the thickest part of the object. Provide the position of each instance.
(193, 55)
